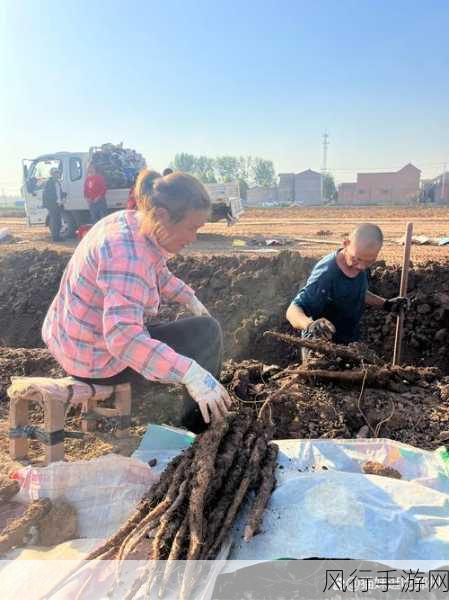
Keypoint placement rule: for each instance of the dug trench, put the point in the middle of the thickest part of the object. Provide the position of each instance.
(249, 296)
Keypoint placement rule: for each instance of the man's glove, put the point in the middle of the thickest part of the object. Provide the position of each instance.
(321, 328)
(208, 393)
(197, 308)
(395, 305)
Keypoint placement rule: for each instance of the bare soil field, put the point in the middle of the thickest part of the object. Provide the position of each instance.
(326, 226)
(248, 292)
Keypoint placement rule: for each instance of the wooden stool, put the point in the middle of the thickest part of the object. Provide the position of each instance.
(56, 396)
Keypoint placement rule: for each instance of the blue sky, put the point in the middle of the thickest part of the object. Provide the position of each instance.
(226, 77)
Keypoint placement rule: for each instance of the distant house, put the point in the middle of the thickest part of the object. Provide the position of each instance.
(258, 196)
(301, 188)
(398, 187)
(308, 188)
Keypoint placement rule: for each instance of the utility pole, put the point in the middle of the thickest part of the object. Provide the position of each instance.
(443, 184)
(324, 165)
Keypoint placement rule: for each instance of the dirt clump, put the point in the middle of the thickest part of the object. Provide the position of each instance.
(58, 525)
(8, 488)
(42, 523)
(372, 467)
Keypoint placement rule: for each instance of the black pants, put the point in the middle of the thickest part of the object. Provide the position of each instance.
(199, 338)
(55, 222)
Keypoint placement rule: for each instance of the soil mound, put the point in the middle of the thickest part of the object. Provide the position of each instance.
(248, 296)
(426, 326)
(16, 362)
(29, 281)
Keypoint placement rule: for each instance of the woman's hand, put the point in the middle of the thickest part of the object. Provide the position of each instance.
(208, 393)
(197, 308)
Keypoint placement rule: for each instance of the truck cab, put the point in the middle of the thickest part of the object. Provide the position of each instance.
(72, 167)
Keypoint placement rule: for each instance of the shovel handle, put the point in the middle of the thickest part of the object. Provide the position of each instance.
(403, 292)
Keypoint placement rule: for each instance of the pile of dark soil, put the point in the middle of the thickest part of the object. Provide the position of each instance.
(29, 281)
(22, 362)
(426, 327)
(329, 399)
(248, 296)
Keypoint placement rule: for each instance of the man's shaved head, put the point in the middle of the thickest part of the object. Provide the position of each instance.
(367, 234)
(361, 249)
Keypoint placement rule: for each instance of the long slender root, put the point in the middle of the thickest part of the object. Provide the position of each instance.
(268, 482)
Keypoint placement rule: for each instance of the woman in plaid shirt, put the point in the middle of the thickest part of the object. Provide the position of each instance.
(116, 278)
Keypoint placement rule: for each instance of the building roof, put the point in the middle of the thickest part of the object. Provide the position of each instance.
(308, 172)
(407, 167)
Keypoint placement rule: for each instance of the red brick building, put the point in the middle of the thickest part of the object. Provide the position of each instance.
(399, 187)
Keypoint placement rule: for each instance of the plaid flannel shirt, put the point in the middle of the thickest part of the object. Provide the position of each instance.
(115, 278)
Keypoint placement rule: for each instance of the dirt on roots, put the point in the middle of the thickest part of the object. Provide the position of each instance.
(248, 296)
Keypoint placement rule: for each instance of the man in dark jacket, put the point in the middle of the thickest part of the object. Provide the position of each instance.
(52, 198)
(332, 302)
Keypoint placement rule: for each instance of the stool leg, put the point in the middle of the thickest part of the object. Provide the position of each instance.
(88, 425)
(18, 417)
(123, 405)
(54, 421)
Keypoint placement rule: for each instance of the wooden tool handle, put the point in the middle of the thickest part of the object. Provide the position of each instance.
(403, 292)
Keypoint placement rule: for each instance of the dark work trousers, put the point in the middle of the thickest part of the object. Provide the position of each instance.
(98, 210)
(200, 338)
(55, 222)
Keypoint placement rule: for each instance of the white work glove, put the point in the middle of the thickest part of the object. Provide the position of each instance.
(207, 392)
(197, 308)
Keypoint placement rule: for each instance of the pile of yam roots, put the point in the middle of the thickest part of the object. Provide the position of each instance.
(188, 514)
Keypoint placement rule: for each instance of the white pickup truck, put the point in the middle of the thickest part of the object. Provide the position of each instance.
(72, 167)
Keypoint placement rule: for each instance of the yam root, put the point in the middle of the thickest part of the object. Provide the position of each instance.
(376, 377)
(268, 482)
(329, 349)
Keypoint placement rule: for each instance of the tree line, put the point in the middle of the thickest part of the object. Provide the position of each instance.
(248, 170)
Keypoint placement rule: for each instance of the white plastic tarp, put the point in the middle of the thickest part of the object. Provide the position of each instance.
(325, 506)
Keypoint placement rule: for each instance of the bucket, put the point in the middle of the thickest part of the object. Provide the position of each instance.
(82, 230)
